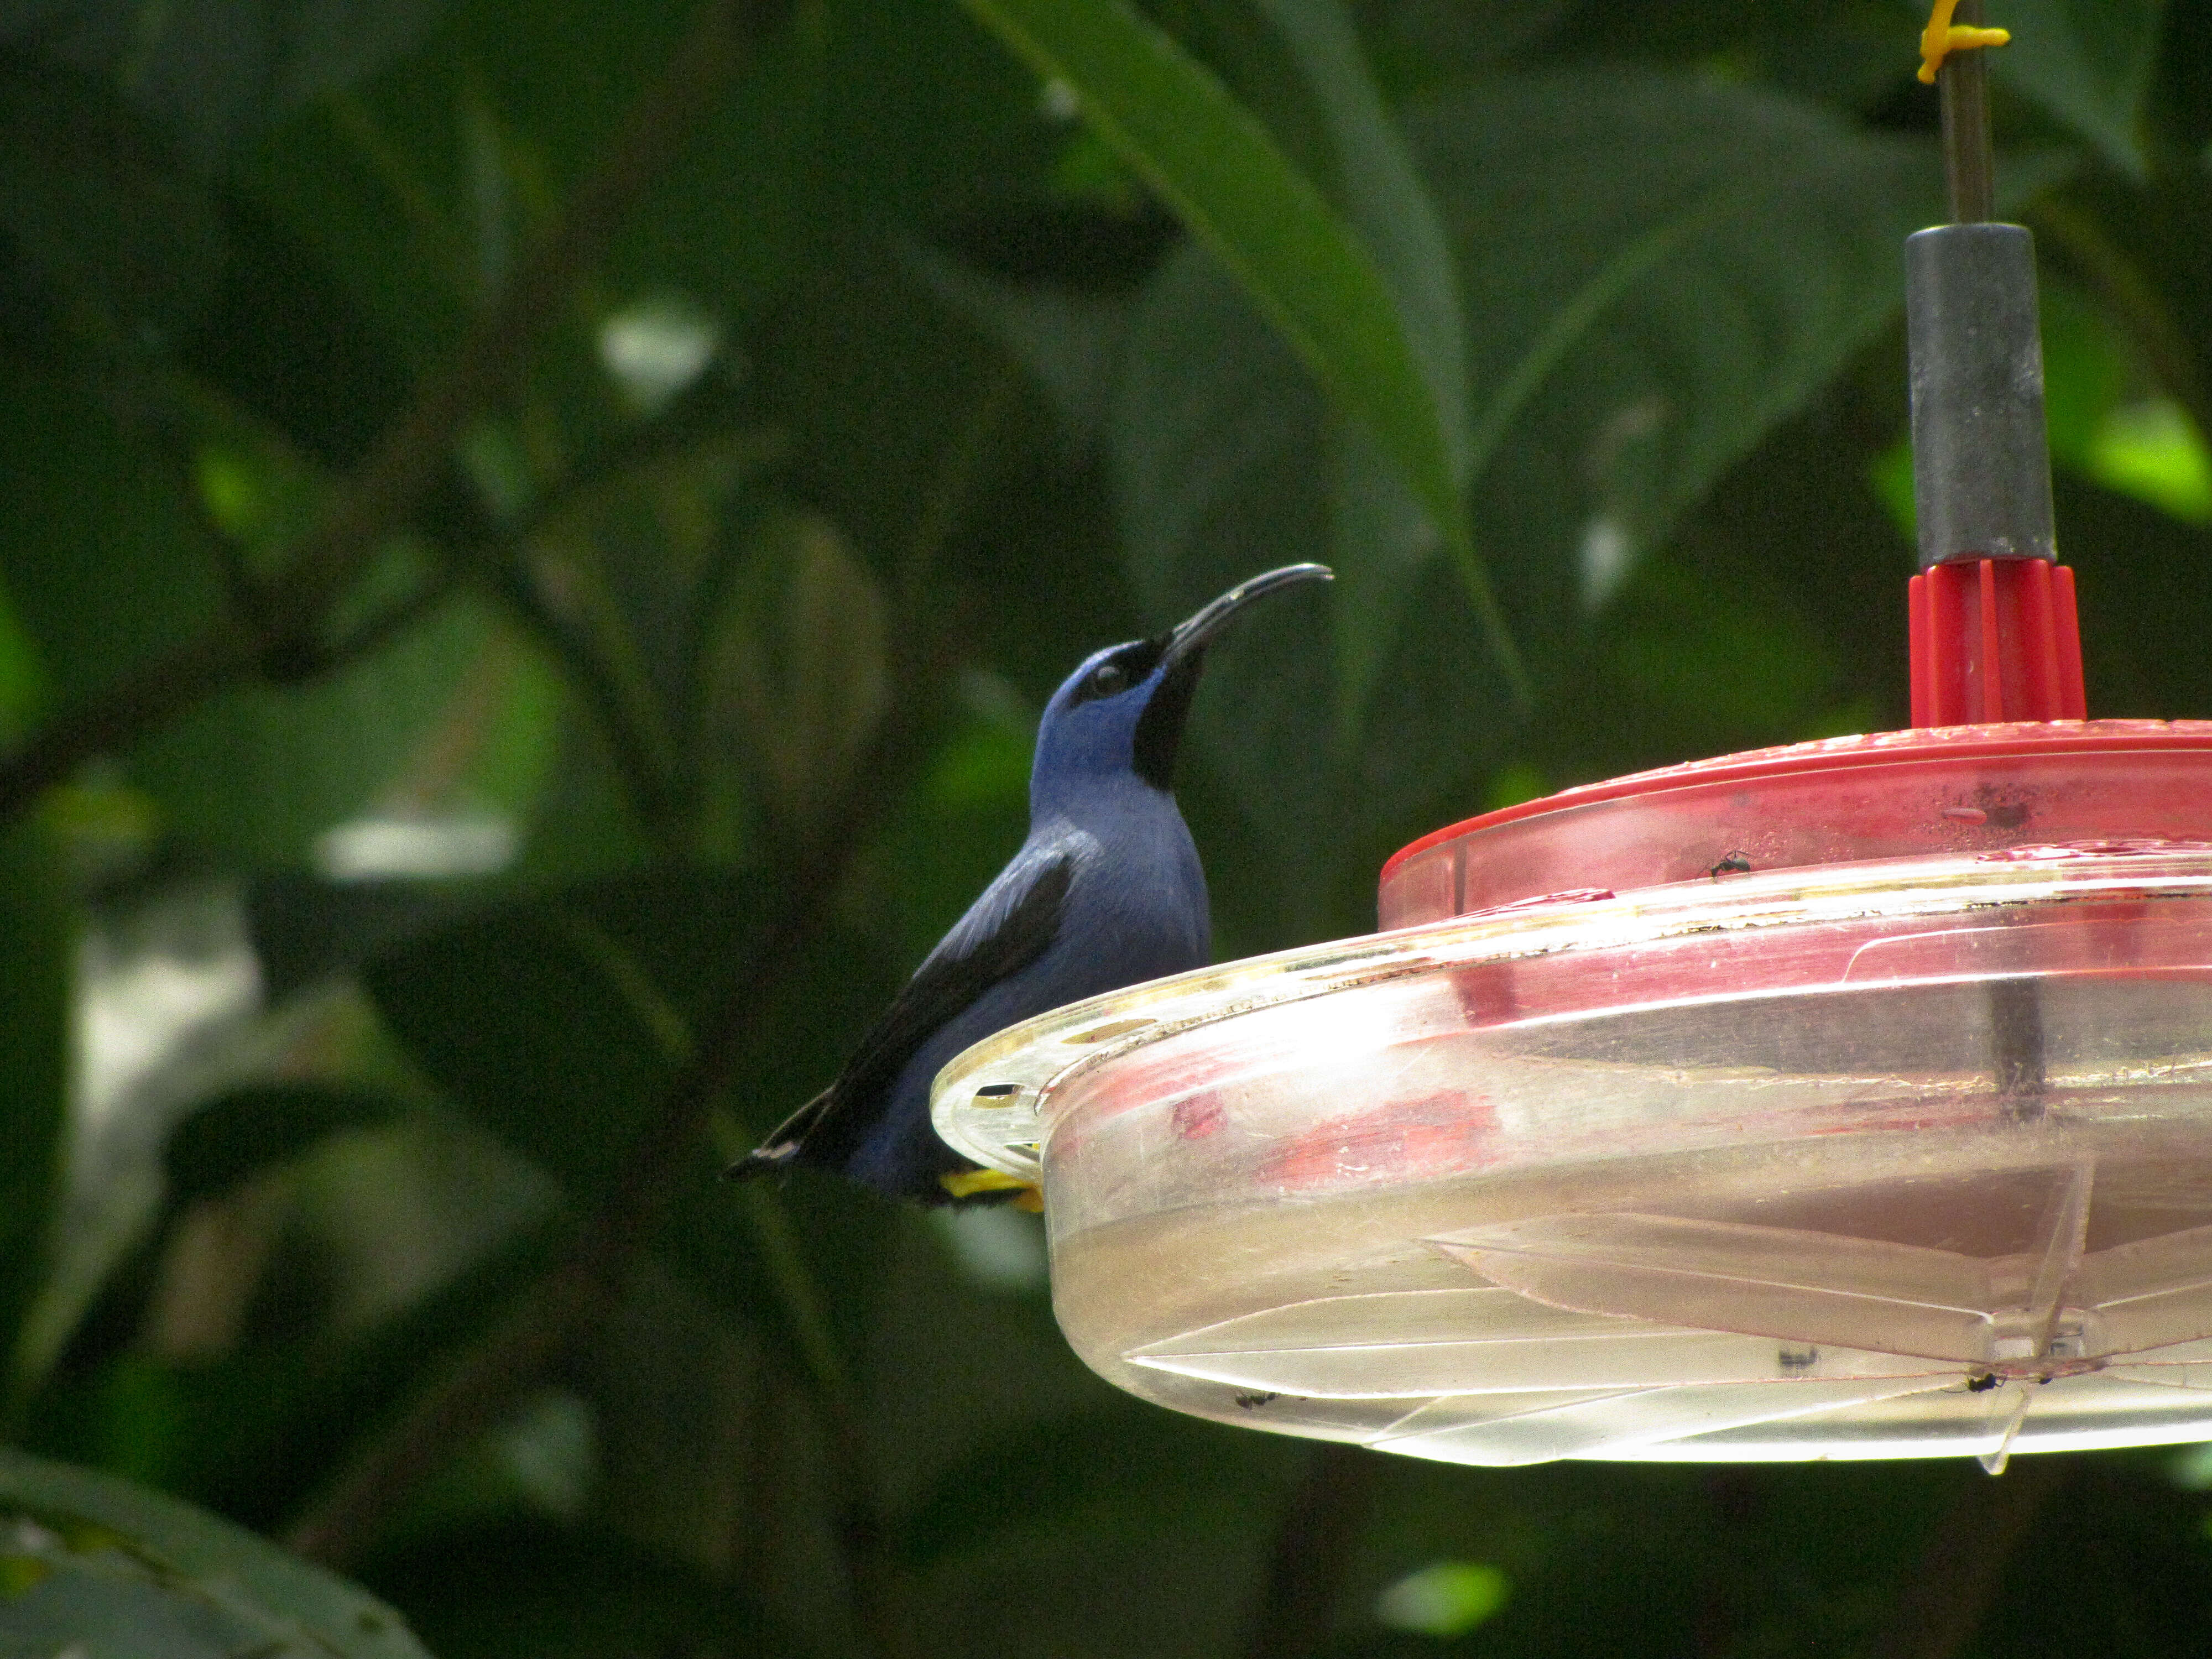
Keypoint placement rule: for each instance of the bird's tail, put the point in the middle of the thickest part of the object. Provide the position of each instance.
(782, 1148)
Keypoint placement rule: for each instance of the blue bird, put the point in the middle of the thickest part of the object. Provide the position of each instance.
(1107, 891)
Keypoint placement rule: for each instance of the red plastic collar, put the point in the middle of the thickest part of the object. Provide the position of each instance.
(1994, 639)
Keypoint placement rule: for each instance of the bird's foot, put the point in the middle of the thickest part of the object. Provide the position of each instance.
(973, 1183)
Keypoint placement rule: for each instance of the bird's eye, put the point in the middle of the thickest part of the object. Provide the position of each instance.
(1108, 678)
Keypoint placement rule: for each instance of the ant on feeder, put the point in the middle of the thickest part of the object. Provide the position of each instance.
(1983, 1383)
(1253, 1401)
(1734, 864)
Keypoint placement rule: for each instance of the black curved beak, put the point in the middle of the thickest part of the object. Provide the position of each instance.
(1191, 637)
(1159, 728)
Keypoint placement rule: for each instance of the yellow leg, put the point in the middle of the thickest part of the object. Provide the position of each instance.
(966, 1184)
(1942, 37)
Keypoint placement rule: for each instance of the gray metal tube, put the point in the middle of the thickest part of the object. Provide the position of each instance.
(1981, 463)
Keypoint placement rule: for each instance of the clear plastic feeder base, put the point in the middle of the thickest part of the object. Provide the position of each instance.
(1897, 1144)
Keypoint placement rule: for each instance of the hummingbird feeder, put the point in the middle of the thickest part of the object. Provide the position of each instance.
(1852, 1099)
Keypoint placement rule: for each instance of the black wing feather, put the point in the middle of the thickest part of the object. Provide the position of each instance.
(828, 1128)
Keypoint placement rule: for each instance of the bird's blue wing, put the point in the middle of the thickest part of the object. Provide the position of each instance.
(1008, 927)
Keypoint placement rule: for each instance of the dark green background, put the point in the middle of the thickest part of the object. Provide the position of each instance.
(387, 1220)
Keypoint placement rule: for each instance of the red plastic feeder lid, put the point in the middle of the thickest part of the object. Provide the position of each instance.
(1886, 794)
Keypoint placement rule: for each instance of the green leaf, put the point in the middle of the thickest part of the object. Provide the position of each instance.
(125, 241)
(796, 674)
(1043, 1479)
(1633, 333)
(1446, 1598)
(447, 727)
(258, 1433)
(35, 975)
(25, 685)
(558, 1024)
(304, 929)
(1381, 539)
(2089, 64)
(1218, 447)
(287, 341)
(922, 150)
(98, 1565)
(1380, 542)
(521, 1019)
(2139, 637)
(245, 1131)
(1069, 342)
(800, 1261)
(328, 44)
(1715, 660)
(1653, 323)
(523, 1591)
(1312, 273)
(2152, 452)
(212, 72)
(104, 564)
(1377, 186)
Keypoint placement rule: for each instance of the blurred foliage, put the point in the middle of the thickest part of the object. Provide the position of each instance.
(537, 539)
(95, 1565)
